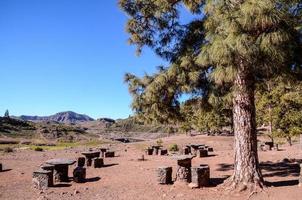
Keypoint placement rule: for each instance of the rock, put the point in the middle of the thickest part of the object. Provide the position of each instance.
(76, 192)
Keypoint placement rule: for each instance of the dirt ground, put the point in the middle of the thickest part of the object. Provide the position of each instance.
(124, 177)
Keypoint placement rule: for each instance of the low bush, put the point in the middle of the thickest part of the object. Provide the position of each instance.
(38, 149)
(173, 147)
(8, 150)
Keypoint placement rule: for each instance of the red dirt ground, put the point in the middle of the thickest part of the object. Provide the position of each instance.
(127, 178)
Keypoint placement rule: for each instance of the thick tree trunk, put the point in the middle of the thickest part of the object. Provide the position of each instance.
(247, 174)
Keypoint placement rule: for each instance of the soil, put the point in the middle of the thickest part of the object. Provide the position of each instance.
(125, 177)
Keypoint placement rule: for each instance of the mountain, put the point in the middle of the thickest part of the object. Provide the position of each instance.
(61, 117)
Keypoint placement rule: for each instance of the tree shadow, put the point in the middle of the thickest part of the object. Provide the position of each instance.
(94, 179)
(5, 170)
(109, 165)
(211, 155)
(280, 169)
(214, 182)
(270, 169)
(225, 167)
(282, 183)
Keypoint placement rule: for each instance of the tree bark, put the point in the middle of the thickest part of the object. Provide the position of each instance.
(247, 174)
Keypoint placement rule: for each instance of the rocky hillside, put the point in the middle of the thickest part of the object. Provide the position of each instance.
(61, 117)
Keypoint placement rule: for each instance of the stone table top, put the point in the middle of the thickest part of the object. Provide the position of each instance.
(196, 145)
(91, 154)
(60, 161)
(156, 146)
(182, 157)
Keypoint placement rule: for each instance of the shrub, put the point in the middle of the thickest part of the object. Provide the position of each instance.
(8, 150)
(38, 149)
(173, 147)
(159, 142)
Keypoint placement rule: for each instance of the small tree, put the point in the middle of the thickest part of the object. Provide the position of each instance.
(6, 114)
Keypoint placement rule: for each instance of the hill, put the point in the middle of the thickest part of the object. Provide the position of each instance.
(61, 117)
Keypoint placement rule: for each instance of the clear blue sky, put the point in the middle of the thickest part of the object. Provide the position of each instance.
(59, 55)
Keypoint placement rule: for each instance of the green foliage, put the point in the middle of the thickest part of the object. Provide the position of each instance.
(281, 106)
(205, 55)
(6, 114)
(38, 149)
(159, 142)
(173, 147)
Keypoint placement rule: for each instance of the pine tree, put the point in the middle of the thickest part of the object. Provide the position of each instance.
(280, 107)
(6, 114)
(232, 44)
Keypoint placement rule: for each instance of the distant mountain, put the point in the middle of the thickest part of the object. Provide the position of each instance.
(61, 117)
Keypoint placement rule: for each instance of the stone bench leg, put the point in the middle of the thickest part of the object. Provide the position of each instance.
(109, 154)
(202, 153)
(200, 176)
(300, 177)
(155, 151)
(193, 151)
(164, 175)
(163, 152)
(89, 162)
(81, 161)
(79, 175)
(98, 162)
(42, 180)
(1, 167)
(186, 150)
(149, 152)
(210, 149)
(183, 173)
(61, 173)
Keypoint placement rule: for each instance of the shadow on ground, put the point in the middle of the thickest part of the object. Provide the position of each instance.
(110, 165)
(269, 169)
(94, 179)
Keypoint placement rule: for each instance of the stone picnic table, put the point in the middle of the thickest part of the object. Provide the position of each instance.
(61, 168)
(195, 147)
(184, 163)
(91, 155)
(156, 149)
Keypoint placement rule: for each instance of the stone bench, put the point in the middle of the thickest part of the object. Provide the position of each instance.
(42, 179)
(98, 162)
(300, 177)
(164, 175)
(200, 153)
(162, 152)
(79, 175)
(186, 150)
(184, 163)
(210, 149)
(149, 151)
(200, 176)
(81, 161)
(109, 154)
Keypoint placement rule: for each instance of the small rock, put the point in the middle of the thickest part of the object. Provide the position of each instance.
(76, 192)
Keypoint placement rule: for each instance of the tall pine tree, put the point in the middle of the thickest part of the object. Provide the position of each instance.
(231, 44)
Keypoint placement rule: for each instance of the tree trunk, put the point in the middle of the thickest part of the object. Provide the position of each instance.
(289, 141)
(247, 174)
(270, 124)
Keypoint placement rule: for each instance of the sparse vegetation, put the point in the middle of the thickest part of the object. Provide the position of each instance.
(173, 147)
(8, 149)
(159, 142)
(38, 149)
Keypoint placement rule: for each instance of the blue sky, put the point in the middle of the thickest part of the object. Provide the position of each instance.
(59, 55)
